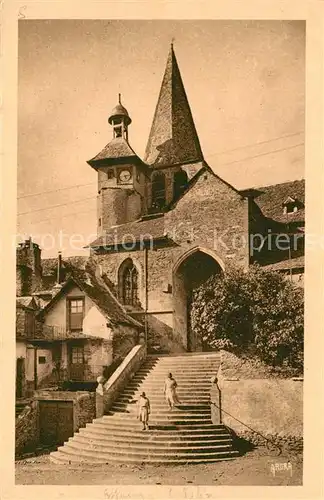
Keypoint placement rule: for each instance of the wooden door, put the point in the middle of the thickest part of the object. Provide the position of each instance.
(55, 422)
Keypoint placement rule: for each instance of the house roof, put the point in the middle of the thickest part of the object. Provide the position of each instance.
(49, 266)
(140, 230)
(285, 265)
(271, 200)
(49, 270)
(99, 292)
(27, 302)
(116, 149)
(173, 138)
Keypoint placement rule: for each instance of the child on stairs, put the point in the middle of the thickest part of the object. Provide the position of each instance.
(144, 410)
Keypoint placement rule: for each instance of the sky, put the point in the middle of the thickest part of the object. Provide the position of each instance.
(245, 82)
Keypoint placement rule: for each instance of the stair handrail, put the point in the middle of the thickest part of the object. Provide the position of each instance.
(250, 428)
(214, 380)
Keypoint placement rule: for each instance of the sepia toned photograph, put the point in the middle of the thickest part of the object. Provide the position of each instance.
(160, 252)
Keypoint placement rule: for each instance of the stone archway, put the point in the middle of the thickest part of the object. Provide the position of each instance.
(193, 269)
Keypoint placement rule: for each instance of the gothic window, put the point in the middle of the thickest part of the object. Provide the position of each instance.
(158, 190)
(129, 283)
(180, 180)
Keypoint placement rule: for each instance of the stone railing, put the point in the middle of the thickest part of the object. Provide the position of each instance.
(107, 393)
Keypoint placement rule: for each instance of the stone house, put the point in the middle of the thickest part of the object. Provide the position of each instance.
(71, 329)
(165, 223)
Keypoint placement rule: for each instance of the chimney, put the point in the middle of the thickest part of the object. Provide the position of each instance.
(59, 268)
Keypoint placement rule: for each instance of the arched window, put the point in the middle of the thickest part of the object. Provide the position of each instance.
(158, 191)
(180, 180)
(129, 283)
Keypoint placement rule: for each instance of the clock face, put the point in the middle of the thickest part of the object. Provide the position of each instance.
(125, 175)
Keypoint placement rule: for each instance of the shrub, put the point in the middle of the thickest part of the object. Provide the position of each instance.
(257, 311)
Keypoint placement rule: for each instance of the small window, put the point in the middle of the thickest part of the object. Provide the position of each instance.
(118, 131)
(99, 222)
(110, 174)
(41, 360)
(77, 357)
(291, 205)
(75, 314)
(180, 180)
(158, 191)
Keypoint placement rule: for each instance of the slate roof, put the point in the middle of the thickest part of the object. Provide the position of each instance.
(117, 148)
(26, 302)
(173, 138)
(151, 228)
(270, 199)
(49, 266)
(285, 265)
(99, 292)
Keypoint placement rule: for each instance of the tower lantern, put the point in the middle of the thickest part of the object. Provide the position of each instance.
(120, 119)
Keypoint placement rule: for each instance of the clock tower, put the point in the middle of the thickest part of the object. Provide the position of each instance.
(122, 176)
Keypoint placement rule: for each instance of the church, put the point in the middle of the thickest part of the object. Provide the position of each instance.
(167, 222)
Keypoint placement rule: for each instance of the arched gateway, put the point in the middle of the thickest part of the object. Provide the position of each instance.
(191, 270)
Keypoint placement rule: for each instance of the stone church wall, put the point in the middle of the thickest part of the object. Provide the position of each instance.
(211, 216)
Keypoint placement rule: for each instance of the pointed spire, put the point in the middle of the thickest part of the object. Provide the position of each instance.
(173, 138)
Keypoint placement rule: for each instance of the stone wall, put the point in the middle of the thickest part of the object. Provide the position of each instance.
(84, 409)
(27, 430)
(20, 322)
(120, 377)
(211, 216)
(28, 425)
(258, 407)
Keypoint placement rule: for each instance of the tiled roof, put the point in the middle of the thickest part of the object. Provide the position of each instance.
(26, 302)
(115, 149)
(283, 265)
(144, 229)
(173, 138)
(49, 266)
(270, 199)
(99, 292)
(49, 269)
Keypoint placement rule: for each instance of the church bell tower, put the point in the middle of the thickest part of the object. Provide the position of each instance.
(121, 176)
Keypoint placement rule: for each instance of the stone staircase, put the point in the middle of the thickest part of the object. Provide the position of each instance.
(183, 435)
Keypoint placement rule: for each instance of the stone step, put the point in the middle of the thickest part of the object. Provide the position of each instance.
(160, 407)
(161, 417)
(182, 361)
(80, 455)
(145, 448)
(157, 386)
(62, 458)
(179, 370)
(160, 399)
(195, 393)
(169, 437)
(155, 434)
(157, 425)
